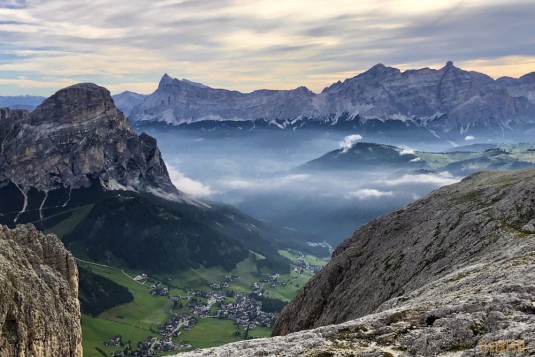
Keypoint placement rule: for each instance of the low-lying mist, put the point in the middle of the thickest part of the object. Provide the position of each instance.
(258, 172)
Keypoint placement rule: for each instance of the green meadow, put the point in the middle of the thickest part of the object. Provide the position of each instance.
(138, 319)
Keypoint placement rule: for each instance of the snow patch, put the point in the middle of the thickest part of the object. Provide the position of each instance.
(42, 205)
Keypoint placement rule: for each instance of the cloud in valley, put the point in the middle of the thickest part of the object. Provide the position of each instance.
(246, 45)
(439, 179)
(406, 151)
(367, 193)
(187, 185)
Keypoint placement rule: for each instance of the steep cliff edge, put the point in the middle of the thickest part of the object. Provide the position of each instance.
(39, 309)
(477, 221)
(452, 274)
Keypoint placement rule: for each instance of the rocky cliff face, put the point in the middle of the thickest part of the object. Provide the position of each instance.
(448, 99)
(75, 138)
(39, 309)
(181, 101)
(476, 222)
(449, 275)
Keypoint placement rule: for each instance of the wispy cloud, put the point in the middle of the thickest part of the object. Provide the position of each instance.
(368, 193)
(348, 141)
(439, 179)
(248, 45)
(187, 185)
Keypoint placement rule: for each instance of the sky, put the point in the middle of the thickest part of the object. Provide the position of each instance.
(245, 45)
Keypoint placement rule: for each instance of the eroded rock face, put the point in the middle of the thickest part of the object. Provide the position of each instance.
(39, 309)
(7, 114)
(77, 137)
(445, 276)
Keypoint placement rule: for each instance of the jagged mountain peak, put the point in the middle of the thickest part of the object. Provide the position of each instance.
(166, 79)
(449, 64)
(78, 138)
(378, 70)
(13, 114)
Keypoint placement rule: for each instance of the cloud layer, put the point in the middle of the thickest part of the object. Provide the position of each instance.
(248, 45)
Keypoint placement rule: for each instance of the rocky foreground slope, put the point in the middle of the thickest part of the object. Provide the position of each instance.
(39, 310)
(452, 274)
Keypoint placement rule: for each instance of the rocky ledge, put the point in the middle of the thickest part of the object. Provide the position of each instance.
(39, 309)
(452, 274)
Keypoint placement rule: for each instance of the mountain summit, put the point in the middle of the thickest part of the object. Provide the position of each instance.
(78, 138)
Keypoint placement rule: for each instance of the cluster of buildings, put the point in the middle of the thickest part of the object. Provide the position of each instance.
(157, 289)
(116, 341)
(180, 322)
(224, 284)
(300, 266)
(202, 309)
(246, 311)
(151, 346)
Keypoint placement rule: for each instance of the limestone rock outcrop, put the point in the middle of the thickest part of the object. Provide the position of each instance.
(75, 138)
(39, 308)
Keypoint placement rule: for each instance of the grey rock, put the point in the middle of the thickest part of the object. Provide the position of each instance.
(442, 100)
(127, 100)
(471, 222)
(180, 101)
(530, 226)
(77, 137)
(13, 115)
(39, 308)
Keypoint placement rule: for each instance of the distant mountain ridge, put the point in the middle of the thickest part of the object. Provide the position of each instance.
(28, 102)
(445, 100)
(127, 100)
(464, 161)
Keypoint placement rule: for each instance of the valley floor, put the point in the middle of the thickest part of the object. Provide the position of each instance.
(199, 308)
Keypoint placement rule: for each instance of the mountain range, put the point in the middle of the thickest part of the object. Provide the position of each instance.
(28, 102)
(445, 100)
